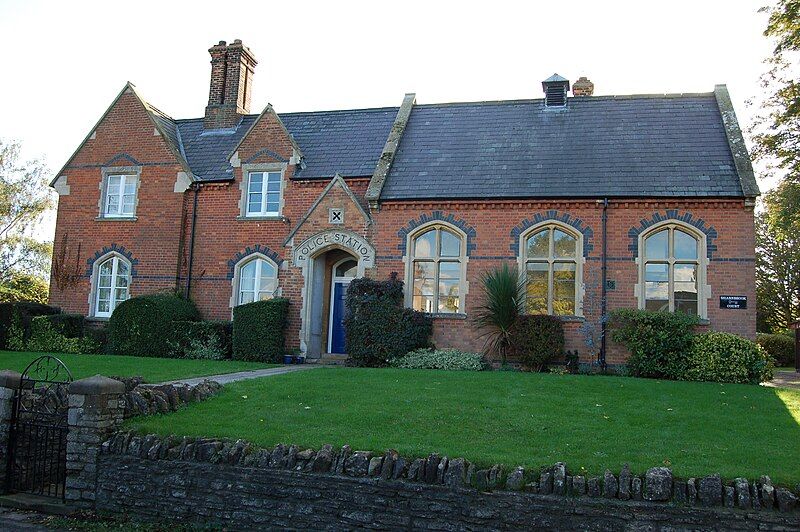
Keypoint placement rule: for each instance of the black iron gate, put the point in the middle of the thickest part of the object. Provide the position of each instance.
(37, 445)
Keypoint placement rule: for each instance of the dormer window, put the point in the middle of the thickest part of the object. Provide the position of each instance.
(555, 91)
(264, 194)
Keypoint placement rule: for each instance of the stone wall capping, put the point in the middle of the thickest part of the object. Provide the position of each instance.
(10, 379)
(97, 385)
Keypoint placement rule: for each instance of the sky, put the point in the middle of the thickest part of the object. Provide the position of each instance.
(64, 62)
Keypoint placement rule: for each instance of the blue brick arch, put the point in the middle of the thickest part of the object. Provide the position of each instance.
(268, 153)
(437, 216)
(673, 214)
(113, 248)
(553, 216)
(251, 250)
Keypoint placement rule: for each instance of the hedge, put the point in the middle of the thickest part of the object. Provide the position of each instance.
(779, 346)
(258, 330)
(45, 337)
(537, 339)
(445, 359)
(377, 327)
(202, 339)
(142, 326)
(20, 314)
(725, 357)
(68, 325)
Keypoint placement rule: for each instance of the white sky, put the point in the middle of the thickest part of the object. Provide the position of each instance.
(64, 62)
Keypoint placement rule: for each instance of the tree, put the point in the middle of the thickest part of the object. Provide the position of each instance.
(24, 198)
(21, 286)
(503, 298)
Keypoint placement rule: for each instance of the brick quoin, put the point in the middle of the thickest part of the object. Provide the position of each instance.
(158, 238)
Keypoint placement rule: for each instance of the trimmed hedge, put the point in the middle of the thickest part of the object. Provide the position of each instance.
(68, 325)
(445, 359)
(537, 339)
(20, 315)
(142, 326)
(725, 357)
(377, 327)
(45, 337)
(779, 346)
(659, 342)
(258, 330)
(202, 339)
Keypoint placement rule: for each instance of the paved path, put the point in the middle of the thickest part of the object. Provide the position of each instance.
(244, 375)
(11, 519)
(784, 379)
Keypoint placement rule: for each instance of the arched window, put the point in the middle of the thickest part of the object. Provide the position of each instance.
(437, 270)
(112, 282)
(552, 271)
(257, 280)
(672, 270)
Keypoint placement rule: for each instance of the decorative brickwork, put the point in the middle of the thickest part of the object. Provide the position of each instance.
(672, 214)
(103, 253)
(433, 217)
(553, 215)
(251, 250)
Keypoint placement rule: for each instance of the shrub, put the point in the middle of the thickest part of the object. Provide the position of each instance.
(447, 359)
(779, 346)
(68, 325)
(19, 315)
(659, 342)
(503, 296)
(258, 330)
(537, 339)
(46, 338)
(99, 337)
(202, 339)
(725, 357)
(377, 327)
(142, 326)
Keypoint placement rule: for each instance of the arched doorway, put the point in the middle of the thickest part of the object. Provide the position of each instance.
(342, 273)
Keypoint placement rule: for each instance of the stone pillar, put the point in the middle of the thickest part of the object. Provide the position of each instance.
(96, 405)
(9, 384)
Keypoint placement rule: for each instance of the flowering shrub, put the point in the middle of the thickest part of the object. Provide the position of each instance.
(447, 359)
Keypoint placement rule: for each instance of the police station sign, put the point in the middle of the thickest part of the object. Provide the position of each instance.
(333, 238)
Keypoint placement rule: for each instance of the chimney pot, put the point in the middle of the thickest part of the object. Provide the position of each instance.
(232, 67)
(583, 87)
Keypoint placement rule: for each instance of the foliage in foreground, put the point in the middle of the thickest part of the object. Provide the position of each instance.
(537, 339)
(258, 330)
(142, 325)
(47, 337)
(503, 299)
(779, 346)
(22, 286)
(378, 328)
(211, 340)
(447, 359)
(725, 357)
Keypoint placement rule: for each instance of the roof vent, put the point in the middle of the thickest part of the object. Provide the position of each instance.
(555, 91)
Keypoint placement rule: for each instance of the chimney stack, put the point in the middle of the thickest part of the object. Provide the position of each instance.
(582, 87)
(232, 67)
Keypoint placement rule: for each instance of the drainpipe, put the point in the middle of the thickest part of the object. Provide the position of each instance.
(603, 291)
(196, 188)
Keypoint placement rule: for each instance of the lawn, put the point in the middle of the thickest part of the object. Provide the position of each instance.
(512, 418)
(152, 369)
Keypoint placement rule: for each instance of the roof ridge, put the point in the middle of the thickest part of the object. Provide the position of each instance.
(666, 95)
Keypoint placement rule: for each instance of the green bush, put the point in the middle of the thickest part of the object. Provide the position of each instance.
(99, 337)
(142, 326)
(725, 357)
(69, 325)
(779, 346)
(659, 342)
(46, 338)
(202, 339)
(258, 330)
(447, 359)
(537, 339)
(377, 327)
(15, 322)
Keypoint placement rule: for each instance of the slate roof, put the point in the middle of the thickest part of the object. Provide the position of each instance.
(344, 142)
(631, 146)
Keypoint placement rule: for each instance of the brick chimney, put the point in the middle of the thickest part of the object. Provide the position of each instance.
(582, 87)
(232, 68)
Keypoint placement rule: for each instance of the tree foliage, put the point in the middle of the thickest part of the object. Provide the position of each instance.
(777, 272)
(22, 286)
(24, 198)
(503, 301)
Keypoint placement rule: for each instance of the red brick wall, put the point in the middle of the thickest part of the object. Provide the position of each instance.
(152, 239)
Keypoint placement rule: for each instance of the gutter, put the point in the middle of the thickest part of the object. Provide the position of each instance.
(196, 187)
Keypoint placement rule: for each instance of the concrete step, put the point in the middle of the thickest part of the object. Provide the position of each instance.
(333, 360)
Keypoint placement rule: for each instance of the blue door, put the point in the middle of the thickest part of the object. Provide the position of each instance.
(337, 321)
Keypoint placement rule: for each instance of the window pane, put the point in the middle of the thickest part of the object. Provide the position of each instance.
(657, 245)
(274, 183)
(103, 306)
(254, 203)
(267, 270)
(114, 182)
(247, 277)
(450, 244)
(104, 294)
(686, 288)
(112, 204)
(130, 186)
(422, 296)
(347, 269)
(685, 245)
(538, 245)
(245, 297)
(264, 295)
(121, 295)
(656, 287)
(425, 244)
(536, 287)
(256, 180)
(122, 268)
(448, 295)
(563, 244)
(563, 289)
(450, 270)
(106, 267)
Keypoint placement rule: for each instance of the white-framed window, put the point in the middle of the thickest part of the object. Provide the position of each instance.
(120, 196)
(552, 264)
(672, 270)
(112, 285)
(437, 270)
(257, 280)
(263, 193)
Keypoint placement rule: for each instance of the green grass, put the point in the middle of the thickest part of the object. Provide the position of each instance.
(512, 418)
(152, 369)
(786, 368)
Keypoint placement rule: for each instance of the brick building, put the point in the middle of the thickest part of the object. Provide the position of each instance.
(643, 201)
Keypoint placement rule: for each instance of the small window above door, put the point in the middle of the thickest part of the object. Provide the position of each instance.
(348, 268)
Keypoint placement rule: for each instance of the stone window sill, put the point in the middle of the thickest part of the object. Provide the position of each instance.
(446, 315)
(273, 218)
(116, 219)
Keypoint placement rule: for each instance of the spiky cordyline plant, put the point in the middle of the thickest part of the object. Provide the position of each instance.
(503, 300)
